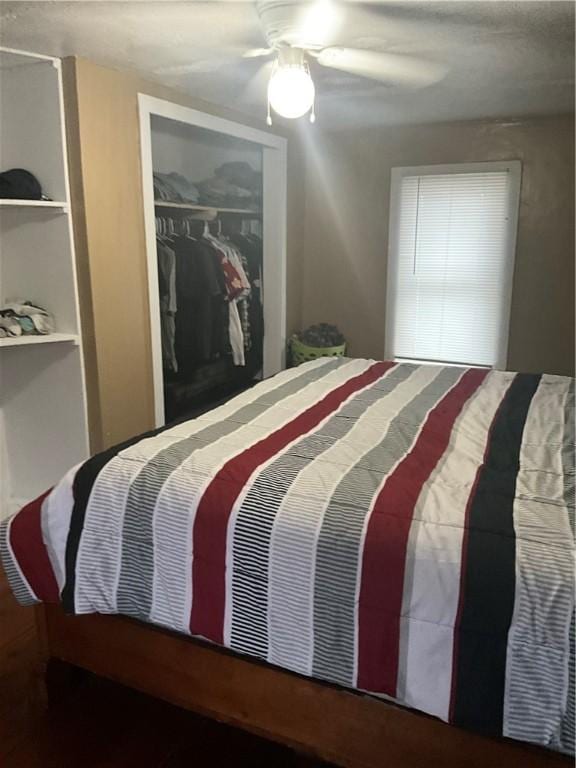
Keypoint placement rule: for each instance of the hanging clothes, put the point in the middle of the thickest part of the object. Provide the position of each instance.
(201, 319)
(250, 246)
(168, 303)
(238, 287)
(244, 308)
(210, 309)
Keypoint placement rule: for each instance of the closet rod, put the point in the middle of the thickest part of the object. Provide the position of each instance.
(186, 207)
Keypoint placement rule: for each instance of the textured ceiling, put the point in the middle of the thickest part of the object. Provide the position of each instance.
(504, 58)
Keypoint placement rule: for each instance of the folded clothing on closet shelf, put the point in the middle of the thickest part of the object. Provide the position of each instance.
(241, 174)
(221, 193)
(234, 185)
(18, 318)
(175, 188)
(187, 191)
(163, 190)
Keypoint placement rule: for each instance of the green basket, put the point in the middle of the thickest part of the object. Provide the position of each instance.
(302, 353)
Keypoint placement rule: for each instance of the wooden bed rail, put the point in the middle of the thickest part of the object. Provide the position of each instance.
(343, 727)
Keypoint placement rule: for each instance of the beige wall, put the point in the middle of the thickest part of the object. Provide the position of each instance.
(346, 233)
(338, 188)
(104, 148)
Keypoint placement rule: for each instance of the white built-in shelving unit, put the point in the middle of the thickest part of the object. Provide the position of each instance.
(43, 424)
(34, 204)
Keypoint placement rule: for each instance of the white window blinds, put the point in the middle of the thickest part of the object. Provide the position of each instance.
(450, 265)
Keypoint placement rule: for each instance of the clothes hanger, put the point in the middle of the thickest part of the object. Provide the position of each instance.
(161, 229)
(214, 228)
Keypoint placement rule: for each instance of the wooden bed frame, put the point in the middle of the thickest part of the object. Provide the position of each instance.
(343, 727)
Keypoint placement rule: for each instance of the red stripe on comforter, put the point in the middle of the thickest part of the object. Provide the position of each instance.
(384, 558)
(30, 552)
(211, 524)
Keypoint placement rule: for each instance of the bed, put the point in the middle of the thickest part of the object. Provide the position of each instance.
(344, 543)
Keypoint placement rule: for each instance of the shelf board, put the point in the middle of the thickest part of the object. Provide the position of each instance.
(34, 204)
(48, 338)
(194, 207)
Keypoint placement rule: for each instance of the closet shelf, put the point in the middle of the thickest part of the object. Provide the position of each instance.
(58, 205)
(193, 207)
(49, 338)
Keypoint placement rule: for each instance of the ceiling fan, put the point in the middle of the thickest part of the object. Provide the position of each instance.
(299, 32)
(311, 32)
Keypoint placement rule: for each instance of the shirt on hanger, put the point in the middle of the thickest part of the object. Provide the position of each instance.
(201, 319)
(238, 286)
(168, 303)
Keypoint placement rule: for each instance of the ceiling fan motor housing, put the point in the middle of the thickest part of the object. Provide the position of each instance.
(291, 57)
(280, 20)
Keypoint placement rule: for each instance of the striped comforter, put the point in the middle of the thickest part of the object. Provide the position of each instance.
(401, 529)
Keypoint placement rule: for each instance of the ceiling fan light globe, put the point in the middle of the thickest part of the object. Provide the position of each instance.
(291, 92)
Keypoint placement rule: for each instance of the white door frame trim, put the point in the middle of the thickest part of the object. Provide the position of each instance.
(274, 164)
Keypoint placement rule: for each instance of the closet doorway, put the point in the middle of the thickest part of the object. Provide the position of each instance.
(215, 221)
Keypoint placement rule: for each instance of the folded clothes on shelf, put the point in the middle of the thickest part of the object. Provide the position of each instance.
(163, 190)
(221, 193)
(234, 185)
(175, 188)
(24, 318)
(241, 174)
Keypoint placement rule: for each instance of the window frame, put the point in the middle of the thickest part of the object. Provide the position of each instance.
(514, 167)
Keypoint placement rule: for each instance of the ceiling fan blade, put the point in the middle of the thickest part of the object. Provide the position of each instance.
(256, 53)
(202, 63)
(187, 69)
(212, 63)
(395, 69)
(257, 87)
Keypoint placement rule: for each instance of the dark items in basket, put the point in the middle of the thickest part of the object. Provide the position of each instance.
(321, 335)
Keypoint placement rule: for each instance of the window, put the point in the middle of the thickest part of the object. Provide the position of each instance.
(450, 263)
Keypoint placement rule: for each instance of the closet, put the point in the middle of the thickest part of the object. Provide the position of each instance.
(43, 424)
(215, 207)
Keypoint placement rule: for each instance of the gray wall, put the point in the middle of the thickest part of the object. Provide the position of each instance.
(346, 228)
